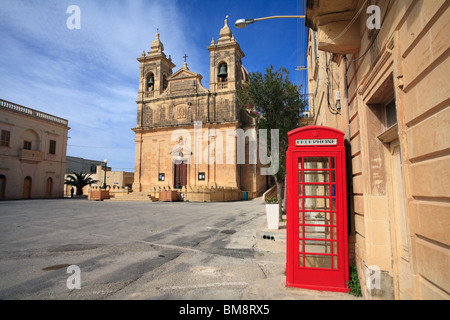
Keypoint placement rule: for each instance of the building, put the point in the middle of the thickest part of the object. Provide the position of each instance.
(186, 135)
(380, 75)
(76, 164)
(32, 153)
(116, 181)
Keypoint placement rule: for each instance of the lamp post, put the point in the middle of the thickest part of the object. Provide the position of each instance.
(104, 181)
(242, 23)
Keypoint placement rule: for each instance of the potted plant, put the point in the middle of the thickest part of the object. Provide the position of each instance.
(272, 212)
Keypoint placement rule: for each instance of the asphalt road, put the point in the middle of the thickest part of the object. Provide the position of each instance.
(128, 250)
(72, 249)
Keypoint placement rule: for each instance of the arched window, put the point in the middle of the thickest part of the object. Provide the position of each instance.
(30, 140)
(222, 73)
(2, 186)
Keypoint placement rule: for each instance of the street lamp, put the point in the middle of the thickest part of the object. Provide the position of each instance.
(104, 181)
(242, 23)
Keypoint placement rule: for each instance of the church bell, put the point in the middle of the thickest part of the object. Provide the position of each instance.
(151, 81)
(223, 73)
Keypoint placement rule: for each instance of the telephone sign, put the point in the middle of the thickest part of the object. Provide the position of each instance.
(316, 200)
(316, 142)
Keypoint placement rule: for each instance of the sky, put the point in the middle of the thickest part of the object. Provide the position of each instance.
(90, 75)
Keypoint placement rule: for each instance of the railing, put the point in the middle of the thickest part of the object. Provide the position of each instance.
(31, 112)
(223, 85)
(31, 155)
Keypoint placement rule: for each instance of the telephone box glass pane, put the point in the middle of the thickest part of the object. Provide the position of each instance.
(317, 204)
(313, 246)
(316, 176)
(317, 241)
(317, 190)
(316, 261)
(316, 163)
(317, 232)
(322, 218)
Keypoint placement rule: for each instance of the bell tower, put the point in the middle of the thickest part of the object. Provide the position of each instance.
(155, 69)
(226, 62)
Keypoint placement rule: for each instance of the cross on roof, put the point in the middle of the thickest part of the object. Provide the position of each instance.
(185, 57)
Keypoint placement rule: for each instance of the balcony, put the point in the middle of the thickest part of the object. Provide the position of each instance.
(332, 21)
(31, 155)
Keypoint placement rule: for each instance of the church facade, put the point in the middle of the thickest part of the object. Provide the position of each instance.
(187, 135)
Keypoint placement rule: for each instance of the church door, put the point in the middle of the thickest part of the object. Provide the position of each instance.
(180, 175)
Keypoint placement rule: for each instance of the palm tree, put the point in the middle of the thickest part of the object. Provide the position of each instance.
(79, 181)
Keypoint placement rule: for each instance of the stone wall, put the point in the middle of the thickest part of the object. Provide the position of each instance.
(203, 194)
(400, 176)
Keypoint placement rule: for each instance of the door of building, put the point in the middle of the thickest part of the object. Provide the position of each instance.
(317, 256)
(402, 262)
(2, 186)
(48, 188)
(26, 193)
(180, 175)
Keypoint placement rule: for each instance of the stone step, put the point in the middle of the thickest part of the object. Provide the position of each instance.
(136, 196)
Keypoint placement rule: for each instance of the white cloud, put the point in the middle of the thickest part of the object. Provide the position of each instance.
(88, 76)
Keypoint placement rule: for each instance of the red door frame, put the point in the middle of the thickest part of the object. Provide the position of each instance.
(316, 141)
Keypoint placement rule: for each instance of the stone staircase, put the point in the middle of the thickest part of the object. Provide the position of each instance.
(135, 196)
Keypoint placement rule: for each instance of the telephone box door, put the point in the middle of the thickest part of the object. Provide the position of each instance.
(317, 256)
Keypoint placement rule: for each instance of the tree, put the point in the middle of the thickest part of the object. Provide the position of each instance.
(276, 104)
(79, 181)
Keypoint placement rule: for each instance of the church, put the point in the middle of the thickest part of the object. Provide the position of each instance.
(186, 134)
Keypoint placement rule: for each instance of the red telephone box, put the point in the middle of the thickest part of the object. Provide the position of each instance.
(316, 201)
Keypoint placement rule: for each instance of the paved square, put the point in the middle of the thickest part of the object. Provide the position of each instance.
(140, 250)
